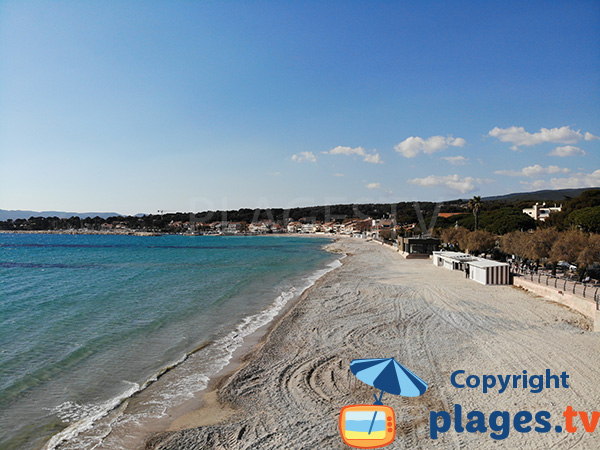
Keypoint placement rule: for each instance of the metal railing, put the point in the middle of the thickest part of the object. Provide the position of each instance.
(563, 283)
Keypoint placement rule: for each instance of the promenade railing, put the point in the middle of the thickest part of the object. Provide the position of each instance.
(564, 283)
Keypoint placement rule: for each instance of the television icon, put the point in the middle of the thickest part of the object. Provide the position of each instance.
(367, 426)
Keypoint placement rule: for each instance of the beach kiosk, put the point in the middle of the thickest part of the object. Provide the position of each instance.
(418, 247)
(484, 271)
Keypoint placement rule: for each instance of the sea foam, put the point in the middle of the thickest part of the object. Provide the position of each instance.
(96, 426)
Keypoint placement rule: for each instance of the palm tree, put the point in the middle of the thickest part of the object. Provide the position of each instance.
(475, 205)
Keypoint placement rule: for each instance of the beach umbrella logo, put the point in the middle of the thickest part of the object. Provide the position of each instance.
(373, 426)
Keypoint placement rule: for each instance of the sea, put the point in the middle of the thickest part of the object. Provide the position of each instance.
(101, 334)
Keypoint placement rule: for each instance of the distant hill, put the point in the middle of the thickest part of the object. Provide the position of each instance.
(19, 214)
(557, 195)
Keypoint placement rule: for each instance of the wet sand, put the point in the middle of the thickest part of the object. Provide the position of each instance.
(290, 389)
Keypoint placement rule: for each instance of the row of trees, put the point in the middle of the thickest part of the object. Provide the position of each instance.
(478, 241)
(549, 245)
(543, 245)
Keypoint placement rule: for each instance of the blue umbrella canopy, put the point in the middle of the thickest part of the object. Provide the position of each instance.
(388, 375)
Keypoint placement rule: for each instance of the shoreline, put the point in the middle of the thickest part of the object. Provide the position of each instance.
(209, 410)
(130, 404)
(209, 402)
(288, 391)
(205, 408)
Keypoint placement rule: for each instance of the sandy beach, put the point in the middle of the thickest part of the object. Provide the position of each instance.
(289, 391)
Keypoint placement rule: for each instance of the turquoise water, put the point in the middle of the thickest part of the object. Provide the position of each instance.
(88, 320)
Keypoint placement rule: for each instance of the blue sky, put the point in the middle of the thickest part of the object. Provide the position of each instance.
(192, 105)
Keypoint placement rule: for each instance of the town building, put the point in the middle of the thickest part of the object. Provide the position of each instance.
(294, 227)
(541, 212)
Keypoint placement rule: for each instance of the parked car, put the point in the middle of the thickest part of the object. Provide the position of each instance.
(566, 266)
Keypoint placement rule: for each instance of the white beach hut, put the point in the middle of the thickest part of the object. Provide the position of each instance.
(485, 271)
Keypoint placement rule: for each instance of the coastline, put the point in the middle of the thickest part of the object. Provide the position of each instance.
(206, 408)
(209, 411)
(288, 390)
(242, 340)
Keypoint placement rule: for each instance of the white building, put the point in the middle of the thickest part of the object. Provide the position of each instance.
(309, 227)
(484, 271)
(232, 227)
(541, 212)
(259, 227)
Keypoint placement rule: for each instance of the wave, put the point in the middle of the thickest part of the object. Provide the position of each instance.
(91, 413)
(219, 352)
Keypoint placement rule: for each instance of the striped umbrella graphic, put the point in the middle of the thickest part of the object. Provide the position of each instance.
(389, 376)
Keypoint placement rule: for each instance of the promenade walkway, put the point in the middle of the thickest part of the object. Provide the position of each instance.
(582, 297)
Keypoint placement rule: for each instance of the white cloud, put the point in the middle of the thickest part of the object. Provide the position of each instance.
(532, 171)
(338, 174)
(454, 182)
(372, 157)
(590, 137)
(456, 160)
(412, 146)
(340, 150)
(567, 150)
(519, 137)
(456, 142)
(577, 180)
(304, 156)
(374, 186)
